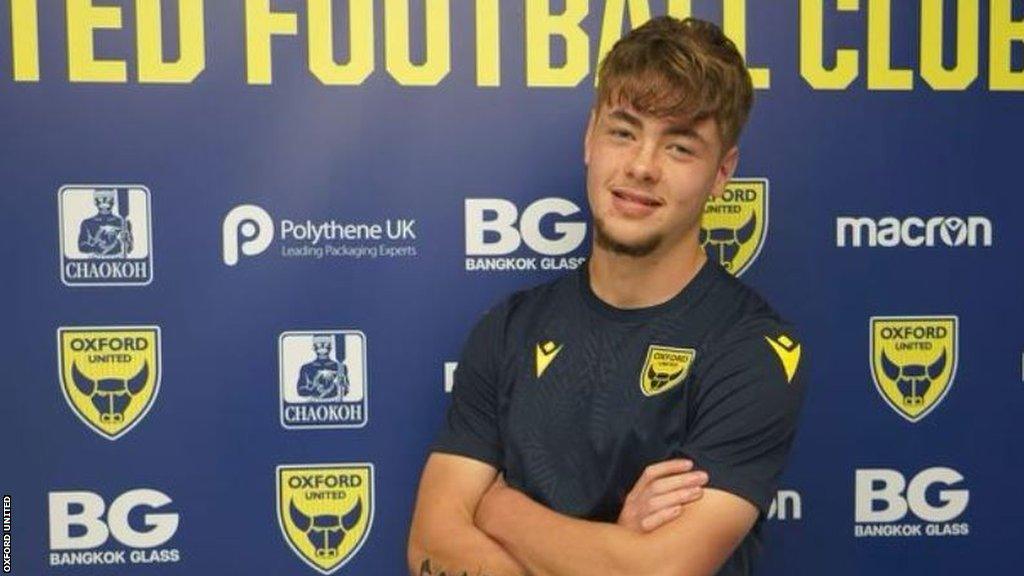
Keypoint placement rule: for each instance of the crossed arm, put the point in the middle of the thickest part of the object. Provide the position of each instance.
(468, 522)
(443, 539)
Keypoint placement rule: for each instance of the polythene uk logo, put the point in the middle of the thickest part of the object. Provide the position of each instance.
(913, 361)
(110, 375)
(734, 225)
(325, 511)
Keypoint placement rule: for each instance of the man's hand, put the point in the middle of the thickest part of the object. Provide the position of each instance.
(547, 543)
(660, 494)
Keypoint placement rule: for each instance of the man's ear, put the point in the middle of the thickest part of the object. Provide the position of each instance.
(726, 168)
(588, 135)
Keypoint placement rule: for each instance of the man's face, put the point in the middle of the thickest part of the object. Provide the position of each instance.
(322, 348)
(104, 203)
(649, 177)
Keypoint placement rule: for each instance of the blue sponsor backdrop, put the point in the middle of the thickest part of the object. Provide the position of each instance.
(342, 159)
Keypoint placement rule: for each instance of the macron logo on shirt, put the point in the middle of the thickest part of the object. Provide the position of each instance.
(788, 352)
(546, 352)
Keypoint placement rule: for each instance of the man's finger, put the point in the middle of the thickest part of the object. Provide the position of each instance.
(666, 468)
(660, 517)
(677, 481)
(673, 499)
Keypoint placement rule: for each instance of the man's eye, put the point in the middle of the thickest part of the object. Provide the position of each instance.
(617, 133)
(677, 149)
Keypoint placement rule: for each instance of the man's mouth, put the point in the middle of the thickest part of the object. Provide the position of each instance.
(636, 197)
(634, 203)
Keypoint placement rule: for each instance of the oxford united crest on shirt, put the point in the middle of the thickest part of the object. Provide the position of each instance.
(664, 368)
(323, 379)
(325, 511)
(913, 361)
(110, 376)
(105, 233)
(734, 226)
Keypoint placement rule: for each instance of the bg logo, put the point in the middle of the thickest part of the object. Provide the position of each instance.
(105, 235)
(110, 376)
(248, 228)
(95, 532)
(734, 226)
(880, 502)
(913, 361)
(323, 379)
(76, 523)
(325, 511)
(492, 230)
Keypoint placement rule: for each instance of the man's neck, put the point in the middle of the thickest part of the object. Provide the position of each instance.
(630, 282)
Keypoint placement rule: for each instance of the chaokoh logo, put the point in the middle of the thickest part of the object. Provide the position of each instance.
(109, 375)
(323, 379)
(734, 225)
(105, 235)
(325, 511)
(913, 361)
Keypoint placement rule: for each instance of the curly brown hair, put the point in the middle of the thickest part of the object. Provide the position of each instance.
(679, 68)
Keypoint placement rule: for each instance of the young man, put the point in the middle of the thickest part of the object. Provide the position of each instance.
(645, 362)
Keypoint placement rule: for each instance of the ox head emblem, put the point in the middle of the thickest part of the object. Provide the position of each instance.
(110, 396)
(325, 511)
(326, 531)
(110, 376)
(723, 244)
(659, 380)
(913, 380)
(913, 361)
(735, 223)
(664, 368)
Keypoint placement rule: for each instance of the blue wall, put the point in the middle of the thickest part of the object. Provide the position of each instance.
(209, 430)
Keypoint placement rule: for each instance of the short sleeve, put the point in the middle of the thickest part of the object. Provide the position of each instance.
(471, 427)
(746, 415)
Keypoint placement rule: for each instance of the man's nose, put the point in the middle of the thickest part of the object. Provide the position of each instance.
(644, 165)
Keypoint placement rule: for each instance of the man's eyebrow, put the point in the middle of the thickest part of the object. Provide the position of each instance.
(685, 130)
(626, 117)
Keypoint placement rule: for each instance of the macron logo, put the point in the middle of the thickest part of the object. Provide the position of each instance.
(914, 231)
(248, 228)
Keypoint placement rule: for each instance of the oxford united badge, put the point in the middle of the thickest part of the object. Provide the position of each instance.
(110, 376)
(734, 225)
(913, 361)
(325, 511)
(664, 368)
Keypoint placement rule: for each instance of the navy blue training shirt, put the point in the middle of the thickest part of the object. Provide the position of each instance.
(572, 398)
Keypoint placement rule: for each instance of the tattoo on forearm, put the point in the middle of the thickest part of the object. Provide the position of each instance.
(427, 570)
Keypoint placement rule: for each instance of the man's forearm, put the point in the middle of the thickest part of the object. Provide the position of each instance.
(552, 544)
(459, 549)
